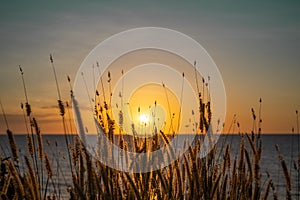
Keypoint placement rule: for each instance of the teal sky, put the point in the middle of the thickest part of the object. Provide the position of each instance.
(255, 45)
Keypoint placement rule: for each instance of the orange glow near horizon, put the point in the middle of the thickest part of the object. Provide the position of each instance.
(50, 122)
(159, 104)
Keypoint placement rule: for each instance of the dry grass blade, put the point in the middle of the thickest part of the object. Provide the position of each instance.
(162, 181)
(286, 175)
(249, 164)
(233, 183)
(6, 183)
(215, 186)
(16, 179)
(226, 160)
(133, 186)
(257, 177)
(275, 197)
(224, 188)
(39, 139)
(30, 145)
(266, 194)
(48, 166)
(179, 180)
(78, 191)
(13, 145)
(32, 178)
(251, 142)
(29, 192)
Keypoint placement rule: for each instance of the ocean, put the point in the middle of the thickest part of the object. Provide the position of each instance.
(55, 147)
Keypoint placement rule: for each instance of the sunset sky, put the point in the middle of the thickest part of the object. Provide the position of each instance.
(254, 44)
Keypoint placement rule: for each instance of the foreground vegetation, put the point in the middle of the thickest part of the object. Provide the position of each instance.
(216, 176)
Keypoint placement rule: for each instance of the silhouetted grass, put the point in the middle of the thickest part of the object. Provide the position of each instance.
(216, 176)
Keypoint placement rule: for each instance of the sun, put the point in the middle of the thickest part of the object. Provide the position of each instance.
(144, 119)
(147, 110)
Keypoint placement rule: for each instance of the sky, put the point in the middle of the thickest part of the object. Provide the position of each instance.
(255, 45)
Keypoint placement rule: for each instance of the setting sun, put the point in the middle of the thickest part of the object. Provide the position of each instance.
(144, 119)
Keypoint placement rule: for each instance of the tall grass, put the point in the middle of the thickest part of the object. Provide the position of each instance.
(219, 175)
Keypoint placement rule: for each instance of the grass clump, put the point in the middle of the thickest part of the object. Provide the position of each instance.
(219, 175)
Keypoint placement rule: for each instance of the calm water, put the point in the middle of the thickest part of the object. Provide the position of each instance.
(288, 145)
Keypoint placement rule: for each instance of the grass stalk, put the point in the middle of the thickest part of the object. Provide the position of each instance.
(62, 111)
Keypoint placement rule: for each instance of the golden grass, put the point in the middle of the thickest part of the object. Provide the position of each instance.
(189, 177)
